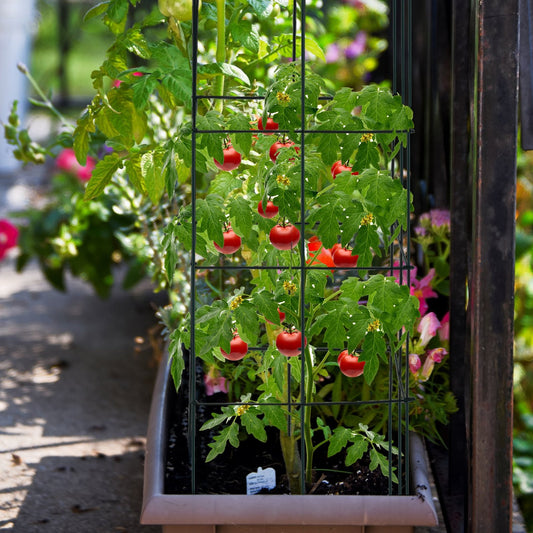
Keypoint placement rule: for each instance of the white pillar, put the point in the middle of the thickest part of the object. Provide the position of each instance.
(17, 19)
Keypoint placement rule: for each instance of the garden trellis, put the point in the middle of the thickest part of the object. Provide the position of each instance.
(303, 266)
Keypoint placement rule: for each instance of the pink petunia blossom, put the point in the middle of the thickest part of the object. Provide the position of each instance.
(117, 83)
(66, 160)
(395, 273)
(414, 363)
(444, 330)
(427, 327)
(214, 382)
(422, 290)
(333, 53)
(435, 219)
(8, 237)
(434, 356)
(356, 47)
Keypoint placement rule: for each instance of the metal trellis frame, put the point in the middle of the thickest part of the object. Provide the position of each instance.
(401, 11)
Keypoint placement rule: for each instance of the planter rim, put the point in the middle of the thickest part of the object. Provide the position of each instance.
(161, 508)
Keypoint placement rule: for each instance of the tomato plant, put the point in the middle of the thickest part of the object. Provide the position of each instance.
(350, 365)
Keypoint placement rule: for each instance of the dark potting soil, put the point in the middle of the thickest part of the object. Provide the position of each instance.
(226, 474)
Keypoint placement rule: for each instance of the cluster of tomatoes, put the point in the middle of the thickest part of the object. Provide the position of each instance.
(289, 343)
(285, 236)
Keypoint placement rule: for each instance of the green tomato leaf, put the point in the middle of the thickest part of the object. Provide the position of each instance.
(244, 33)
(265, 304)
(133, 168)
(242, 142)
(228, 434)
(335, 334)
(240, 215)
(153, 175)
(253, 425)
(248, 325)
(84, 128)
(356, 332)
(177, 364)
(367, 156)
(338, 441)
(211, 217)
(356, 450)
(102, 174)
(143, 88)
(262, 8)
(213, 69)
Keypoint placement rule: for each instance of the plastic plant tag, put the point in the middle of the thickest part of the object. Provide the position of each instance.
(262, 479)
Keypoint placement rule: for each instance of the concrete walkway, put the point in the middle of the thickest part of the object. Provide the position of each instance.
(75, 390)
(74, 402)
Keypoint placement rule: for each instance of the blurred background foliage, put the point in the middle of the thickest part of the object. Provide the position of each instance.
(523, 369)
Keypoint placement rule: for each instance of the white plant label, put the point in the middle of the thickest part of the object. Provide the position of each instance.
(262, 479)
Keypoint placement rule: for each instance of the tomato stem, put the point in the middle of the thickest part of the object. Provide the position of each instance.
(220, 52)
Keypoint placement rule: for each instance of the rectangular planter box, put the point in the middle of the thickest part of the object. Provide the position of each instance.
(206, 513)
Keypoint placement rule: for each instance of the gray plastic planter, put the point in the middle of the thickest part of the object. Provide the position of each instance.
(205, 513)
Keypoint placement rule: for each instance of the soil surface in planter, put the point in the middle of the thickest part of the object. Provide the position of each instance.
(227, 473)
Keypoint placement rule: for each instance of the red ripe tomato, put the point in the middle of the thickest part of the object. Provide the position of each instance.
(270, 124)
(289, 343)
(343, 258)
(232, 242)
(232, 159)
(237, 349)
(271, 210)
(275, 148)
(338, 167)
(323, 257)
(349, 364)
(284, 237)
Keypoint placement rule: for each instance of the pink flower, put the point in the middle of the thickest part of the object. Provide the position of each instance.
(435, 219)
(434, 356)
(414, 363)
(8, 237)
(444, 330)
(427, 327)
(395, 273)
(357, 46)
(333, 53)
(214, 382)
(66, 160)
(422, 290)
(116, 83)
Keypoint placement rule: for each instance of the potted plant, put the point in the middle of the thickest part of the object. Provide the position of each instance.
(286, 201)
